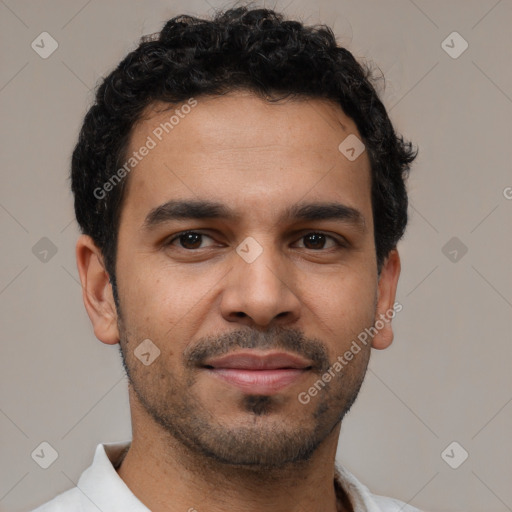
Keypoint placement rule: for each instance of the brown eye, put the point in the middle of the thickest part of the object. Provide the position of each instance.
(317, 241)
(188, 240)
(314, 241)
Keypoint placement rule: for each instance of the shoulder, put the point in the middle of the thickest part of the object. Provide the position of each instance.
(72, 499)
(98, 484)
(363, 500)
(391, 505)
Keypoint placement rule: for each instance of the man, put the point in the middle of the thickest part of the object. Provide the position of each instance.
(240, 190)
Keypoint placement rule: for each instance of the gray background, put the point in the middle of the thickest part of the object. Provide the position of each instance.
(446, 377)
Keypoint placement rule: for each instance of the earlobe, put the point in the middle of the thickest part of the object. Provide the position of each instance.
(97, 290)
(386, 306)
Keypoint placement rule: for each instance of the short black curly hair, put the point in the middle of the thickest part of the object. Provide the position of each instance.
(240, 48)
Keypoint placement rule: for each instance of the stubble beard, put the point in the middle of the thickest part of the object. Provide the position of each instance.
(267, 439)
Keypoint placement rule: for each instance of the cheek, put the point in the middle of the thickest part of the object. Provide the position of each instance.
(344, 307)
(161, 304)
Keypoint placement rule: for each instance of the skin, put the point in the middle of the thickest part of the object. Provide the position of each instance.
(199, 442)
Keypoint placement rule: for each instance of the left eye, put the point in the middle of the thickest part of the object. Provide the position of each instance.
(318, 240)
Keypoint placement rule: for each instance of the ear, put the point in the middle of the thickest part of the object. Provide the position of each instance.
(97, 290)
(386, 308)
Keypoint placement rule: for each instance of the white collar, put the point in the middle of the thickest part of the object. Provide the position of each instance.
(100, 483)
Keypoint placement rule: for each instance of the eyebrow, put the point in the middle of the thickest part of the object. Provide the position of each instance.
(204, 209)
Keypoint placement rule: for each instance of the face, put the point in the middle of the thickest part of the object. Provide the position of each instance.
(246, 255)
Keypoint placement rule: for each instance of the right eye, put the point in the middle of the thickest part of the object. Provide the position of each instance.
(188, 240)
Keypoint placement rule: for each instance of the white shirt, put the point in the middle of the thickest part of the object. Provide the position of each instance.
(101, 488)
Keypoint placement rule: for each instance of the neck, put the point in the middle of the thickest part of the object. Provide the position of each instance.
(168, 477)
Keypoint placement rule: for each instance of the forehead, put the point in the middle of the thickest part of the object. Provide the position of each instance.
(246, 152)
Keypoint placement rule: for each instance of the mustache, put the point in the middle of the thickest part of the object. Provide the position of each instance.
(291, 340)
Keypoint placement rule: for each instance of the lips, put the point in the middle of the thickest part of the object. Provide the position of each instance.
(258, 373)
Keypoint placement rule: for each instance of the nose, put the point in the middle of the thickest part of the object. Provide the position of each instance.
(261, 292)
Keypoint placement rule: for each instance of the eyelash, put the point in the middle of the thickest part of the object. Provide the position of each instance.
(339, 243)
